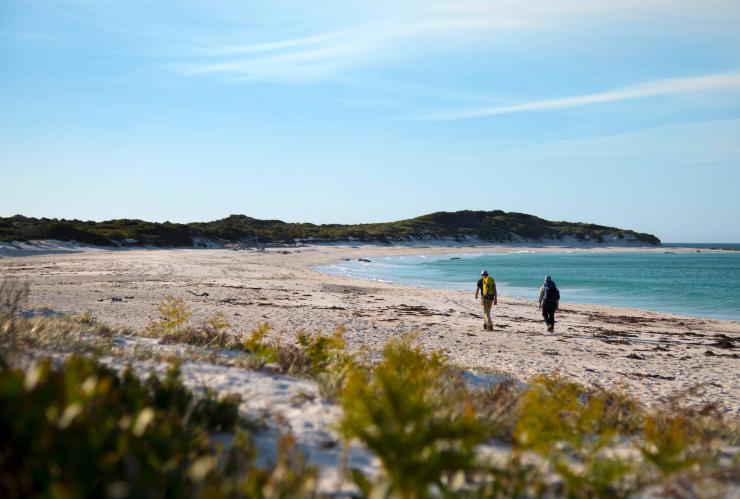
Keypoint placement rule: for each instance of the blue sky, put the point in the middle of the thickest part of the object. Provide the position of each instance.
(622, 113)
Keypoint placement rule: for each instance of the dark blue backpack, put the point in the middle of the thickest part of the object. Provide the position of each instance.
(552, 293)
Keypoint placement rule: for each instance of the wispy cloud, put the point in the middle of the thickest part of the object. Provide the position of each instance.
(380, 33)
(717, 81)
(325, 55)
(293, 43)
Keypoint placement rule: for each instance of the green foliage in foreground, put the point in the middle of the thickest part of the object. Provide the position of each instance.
(496, 226)
(319, 356)
(81, 430)
(427, 428)
(413, 416)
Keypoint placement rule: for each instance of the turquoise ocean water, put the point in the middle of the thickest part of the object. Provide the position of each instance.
(703, 284)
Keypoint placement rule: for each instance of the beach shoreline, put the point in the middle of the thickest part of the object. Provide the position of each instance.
(652, 355)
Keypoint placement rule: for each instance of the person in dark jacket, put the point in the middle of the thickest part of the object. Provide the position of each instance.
(549, 300)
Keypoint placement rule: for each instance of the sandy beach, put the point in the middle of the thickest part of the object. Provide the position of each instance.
(651, 355)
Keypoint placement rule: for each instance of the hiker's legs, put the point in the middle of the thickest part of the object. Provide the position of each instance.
(552, 320)
(487, 304)
(548, 312)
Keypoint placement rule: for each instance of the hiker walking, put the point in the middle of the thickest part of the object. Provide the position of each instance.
(549, 299)
(487, 289)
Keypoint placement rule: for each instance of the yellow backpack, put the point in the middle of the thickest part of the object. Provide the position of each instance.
(489, 286)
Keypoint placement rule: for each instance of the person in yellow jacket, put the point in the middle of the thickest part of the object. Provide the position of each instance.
(487, 289)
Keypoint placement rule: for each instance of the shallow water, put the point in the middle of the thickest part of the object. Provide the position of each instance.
(704, 284)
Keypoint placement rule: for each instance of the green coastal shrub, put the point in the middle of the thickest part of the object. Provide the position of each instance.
(174, 326)
(554, 410)
(174, 317)
(417, 418)
(218, 323)
(323, 351)
(319, 356)
(53, 334)
(328, 361)
(678, 438)
(576, 430)
(428, 429)
(80, 430)
(263, 351)
(13, 297)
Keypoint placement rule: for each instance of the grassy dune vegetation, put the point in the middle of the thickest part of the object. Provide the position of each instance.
(494, 226)
(73, 427)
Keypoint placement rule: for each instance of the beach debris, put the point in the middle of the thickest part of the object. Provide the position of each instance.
(635, 356)
(113, 299)
(649, 376)
(404, 309)
(235, 301)
(551, 352)
(342, 288)
(616, 342)
(709, 353)
(196, 294)
(364, 260)
(724, 342)
(239, 287)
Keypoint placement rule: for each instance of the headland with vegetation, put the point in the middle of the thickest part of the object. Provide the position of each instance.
(460, 226)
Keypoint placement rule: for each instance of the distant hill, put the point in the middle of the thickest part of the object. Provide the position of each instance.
(487, 226)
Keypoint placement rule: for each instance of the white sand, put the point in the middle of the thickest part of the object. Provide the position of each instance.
(651, 354)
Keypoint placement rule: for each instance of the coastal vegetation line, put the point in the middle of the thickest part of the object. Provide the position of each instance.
(488, 226)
